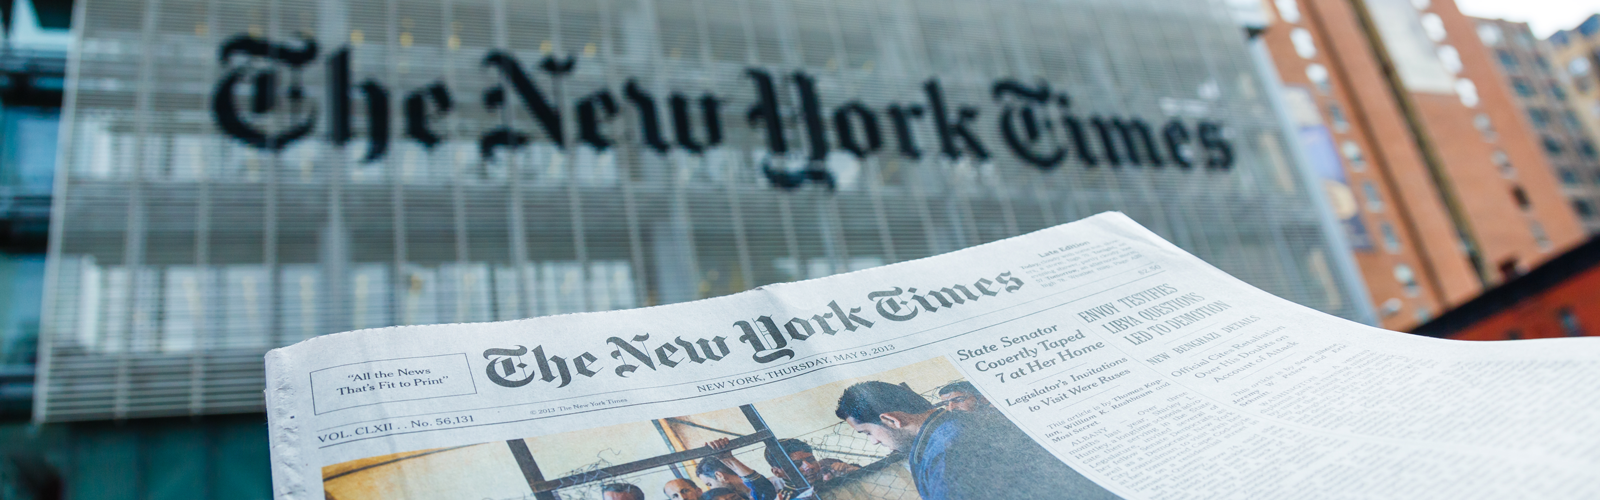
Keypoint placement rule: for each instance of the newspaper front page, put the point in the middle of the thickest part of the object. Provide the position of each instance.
(1089, 360)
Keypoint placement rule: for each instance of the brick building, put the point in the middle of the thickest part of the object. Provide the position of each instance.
(1559, 299)
(1545, 92)
(1575, 55)
(1440, 166)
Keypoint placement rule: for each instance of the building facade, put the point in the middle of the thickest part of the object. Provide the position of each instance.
(1402, 235)
(1544, 92)
(34, 43)
(1513, 212)
(1575, 55)
(1440, 172)
(1558, 299)
(237, 177)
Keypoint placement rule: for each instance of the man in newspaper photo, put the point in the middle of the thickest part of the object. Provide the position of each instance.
(621, 491)
(962, 396)
(960, 455)
(681, 489)
(726, 472)
(805, 461)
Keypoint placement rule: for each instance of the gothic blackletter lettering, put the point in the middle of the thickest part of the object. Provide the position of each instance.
(1021, 111)
(637, 353)
(1177, 139)
(891, 307)
(264, 91)
(857, 116)
(546, 113)
(951, 130)
(755, 339)
(339, 103)
(417, 114)
(765, 110)
(649, 124)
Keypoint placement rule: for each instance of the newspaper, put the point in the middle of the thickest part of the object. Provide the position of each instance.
(1089, 360)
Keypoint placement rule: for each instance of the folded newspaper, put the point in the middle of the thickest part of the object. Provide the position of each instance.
(1089, 360)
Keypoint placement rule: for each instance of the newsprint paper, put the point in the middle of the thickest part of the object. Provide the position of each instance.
(1089, 360)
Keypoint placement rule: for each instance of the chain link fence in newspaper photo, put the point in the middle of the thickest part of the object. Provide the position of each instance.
(788, 448)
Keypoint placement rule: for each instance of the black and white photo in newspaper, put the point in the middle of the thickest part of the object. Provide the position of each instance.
(1089, 360)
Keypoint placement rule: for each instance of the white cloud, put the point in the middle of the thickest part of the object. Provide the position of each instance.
(1543, 16)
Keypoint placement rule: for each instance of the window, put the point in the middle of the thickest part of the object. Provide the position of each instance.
(1451, 58)
(1391, 307)
(1540, 118)
(1303, 44)
(1507, 59)
(23, 284)
(1560, 39)
(1578, 67)
(1336, 114)
(1569, 177)
(1583, 208)
(1504, 162)
(1374, 202)
(1391, 241)
(1570, 119)
(1586, 148)
(28, 149)
(1521, 197)
(1288, 10)
(1407, 279)
(1552, 146)
(1569, 322)
(1509, 270)
(1542, 63)
(1318, 74)
(1522, 88)
(1555, 90)
(1485, 125)
(1433, 26)
(1489, 33)
(1468, 92)
(1352, 153)
(1539, 235)
(1423, 315)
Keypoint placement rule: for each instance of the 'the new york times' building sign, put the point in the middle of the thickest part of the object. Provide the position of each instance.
(1030, 115)
(236, 176)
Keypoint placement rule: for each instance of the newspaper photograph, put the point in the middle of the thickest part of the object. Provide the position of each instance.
(847, 439)
(1088, 360)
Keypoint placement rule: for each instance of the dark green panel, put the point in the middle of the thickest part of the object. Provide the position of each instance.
(176, 460)
(239, 460)
(104, 463)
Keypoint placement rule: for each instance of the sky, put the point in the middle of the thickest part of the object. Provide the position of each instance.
(1543, 16)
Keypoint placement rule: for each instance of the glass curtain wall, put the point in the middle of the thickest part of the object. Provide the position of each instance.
(182, 252)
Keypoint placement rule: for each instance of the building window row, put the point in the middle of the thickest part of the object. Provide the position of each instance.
(1569, 177)
(1486, 126)
(1391, 240)
(1523, 88)
(1521, 197)
(1503, 161)
(1569, 322)
(1553, 146)
(1507, 60)
(1540, 118)
(1583, 208)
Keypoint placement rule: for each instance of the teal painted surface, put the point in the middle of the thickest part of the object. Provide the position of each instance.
(156, 459)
